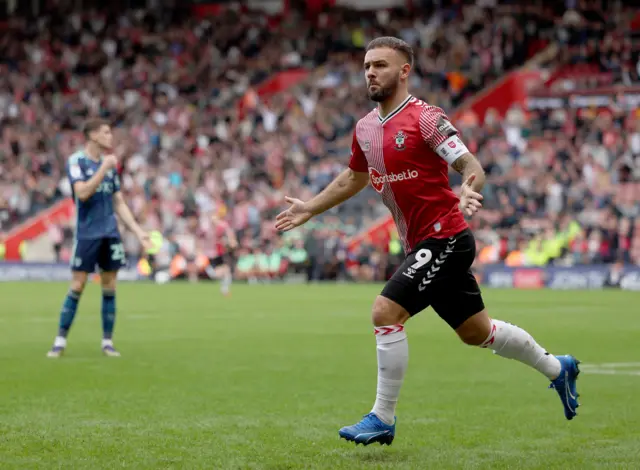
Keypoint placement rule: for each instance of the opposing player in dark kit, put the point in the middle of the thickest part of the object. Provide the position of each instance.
(403, 148)
(96, 191)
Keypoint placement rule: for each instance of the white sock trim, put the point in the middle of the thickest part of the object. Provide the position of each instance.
(389, 334)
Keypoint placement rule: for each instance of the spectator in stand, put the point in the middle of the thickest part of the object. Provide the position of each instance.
(194, 137)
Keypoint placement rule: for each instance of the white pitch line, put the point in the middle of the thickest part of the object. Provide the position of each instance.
(611, 372)
(612, 368)
(615, 364)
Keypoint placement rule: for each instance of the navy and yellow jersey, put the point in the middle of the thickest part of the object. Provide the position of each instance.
(95, 217)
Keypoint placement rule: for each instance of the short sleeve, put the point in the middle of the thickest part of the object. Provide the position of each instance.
(440, 135)
(358, 160)
(75, 172)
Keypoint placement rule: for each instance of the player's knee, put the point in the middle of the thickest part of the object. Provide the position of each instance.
(78, 281)
(473, 338)
(108, 281)
(475, 330)
(78, 285)
(387, 312)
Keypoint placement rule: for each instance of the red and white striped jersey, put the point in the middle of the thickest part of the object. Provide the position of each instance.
(407, 155)
(220, 236)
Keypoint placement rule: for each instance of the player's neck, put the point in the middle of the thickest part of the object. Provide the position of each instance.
(92, 151)
(387, 106)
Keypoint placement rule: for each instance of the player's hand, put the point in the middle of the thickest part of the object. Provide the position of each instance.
(145, 241)
(294, 216)
(469, 199)
(110, 161)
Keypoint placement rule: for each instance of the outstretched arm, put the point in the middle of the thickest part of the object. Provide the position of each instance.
(346, 185)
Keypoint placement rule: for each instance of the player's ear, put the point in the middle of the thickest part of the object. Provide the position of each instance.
(404, 71)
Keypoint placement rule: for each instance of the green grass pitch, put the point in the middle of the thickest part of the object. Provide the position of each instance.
(264, 380)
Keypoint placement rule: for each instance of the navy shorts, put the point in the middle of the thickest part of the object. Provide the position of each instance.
(106, 253)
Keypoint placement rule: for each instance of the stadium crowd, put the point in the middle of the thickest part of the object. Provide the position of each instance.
(172, 86)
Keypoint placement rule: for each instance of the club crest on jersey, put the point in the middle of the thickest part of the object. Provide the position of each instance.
(400, 139)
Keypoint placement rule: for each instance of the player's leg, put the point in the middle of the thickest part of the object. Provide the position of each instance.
(218, 269)
(83, 263)
(112, 258)
(390, 312)
(392, 350)
(223, 272)
(108, 312)
(512, 342)
(458, 300)
(393, 357)
(508, 340)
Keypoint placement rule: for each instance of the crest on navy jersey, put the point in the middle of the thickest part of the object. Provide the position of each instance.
(445, 127)
(400, 140)
(76, 171)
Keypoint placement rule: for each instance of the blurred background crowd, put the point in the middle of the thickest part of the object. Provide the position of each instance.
(195, 138)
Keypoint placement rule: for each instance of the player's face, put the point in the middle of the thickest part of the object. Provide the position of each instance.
(103, 137)
(384, 68)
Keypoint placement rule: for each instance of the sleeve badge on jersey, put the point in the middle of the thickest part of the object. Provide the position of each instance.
(75, 171)
(400, 139)
(445, 127)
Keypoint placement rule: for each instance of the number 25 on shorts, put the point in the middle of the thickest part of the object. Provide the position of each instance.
(117, 252)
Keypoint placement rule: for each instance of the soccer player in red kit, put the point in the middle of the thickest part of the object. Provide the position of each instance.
(225, 243)
(403, 148)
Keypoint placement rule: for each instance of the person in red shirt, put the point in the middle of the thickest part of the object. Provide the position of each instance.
(403, 148)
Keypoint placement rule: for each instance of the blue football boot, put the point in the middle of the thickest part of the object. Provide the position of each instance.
(371, 429)
(565, 385)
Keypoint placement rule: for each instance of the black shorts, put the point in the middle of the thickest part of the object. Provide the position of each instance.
(218, 261)
(437, 273)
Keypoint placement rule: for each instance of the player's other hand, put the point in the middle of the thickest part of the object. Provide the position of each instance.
(296, 215)
(110, 161)
(145, 241)
(469, 199)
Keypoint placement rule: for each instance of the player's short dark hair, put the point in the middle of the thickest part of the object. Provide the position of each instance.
(93, 125)
(396, 44)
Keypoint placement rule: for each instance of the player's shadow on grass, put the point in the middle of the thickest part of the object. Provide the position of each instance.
(378, 455)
